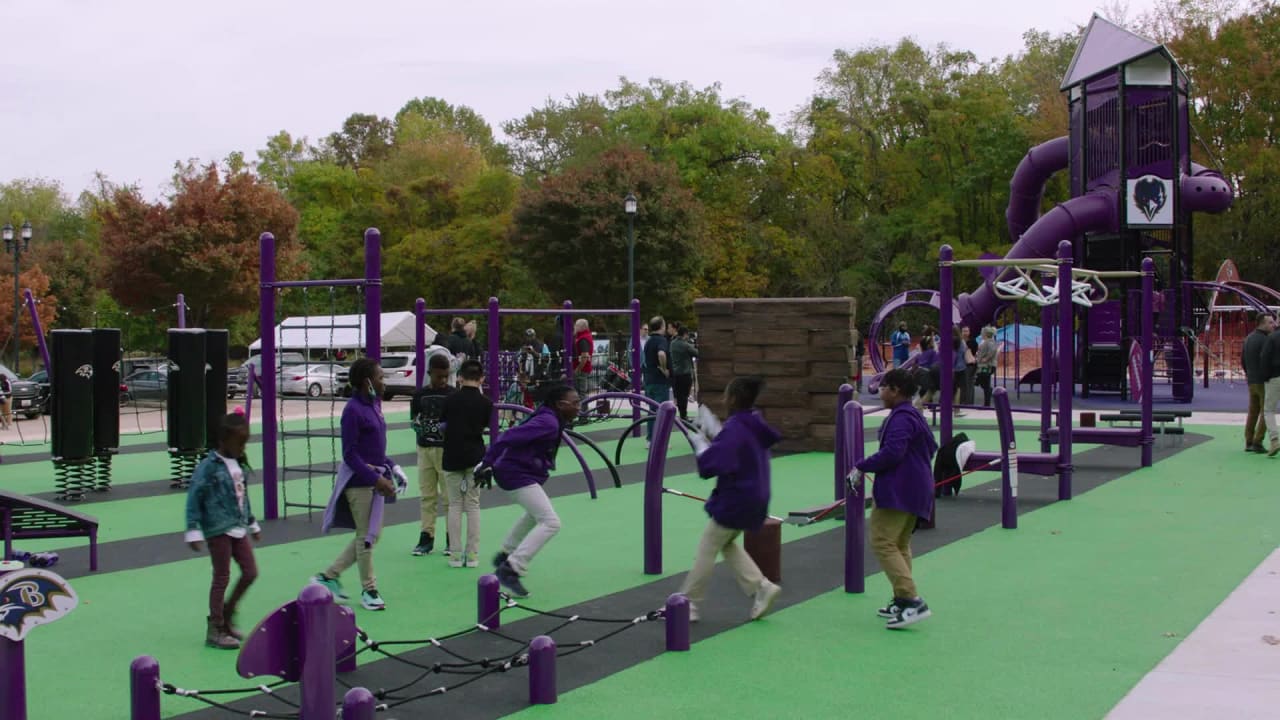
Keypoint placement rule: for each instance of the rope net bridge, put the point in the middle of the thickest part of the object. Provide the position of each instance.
(278, 646)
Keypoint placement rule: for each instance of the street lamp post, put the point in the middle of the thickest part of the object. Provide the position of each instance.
(17, 248)
(629, 205)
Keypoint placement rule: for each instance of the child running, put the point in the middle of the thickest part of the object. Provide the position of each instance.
(466, 415)
(738, 457)
(521, 460)
(903, 491)
(427, 411)
(218, 512)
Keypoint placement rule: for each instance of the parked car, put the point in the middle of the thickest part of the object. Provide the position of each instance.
(25, 395)
(313, 380)
(400, 372)
(147, 385)
(239, 377)
(41, 379)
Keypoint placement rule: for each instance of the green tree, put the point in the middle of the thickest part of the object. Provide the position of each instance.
(363, 140)
(572, 230)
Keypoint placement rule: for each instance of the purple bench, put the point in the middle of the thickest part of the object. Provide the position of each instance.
(23, 517)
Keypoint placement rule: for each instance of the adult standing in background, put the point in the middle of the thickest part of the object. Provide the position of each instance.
(683, 353)
(1271, 396)
(584, 346)
(985, 358)
(971, 365)
(900, 341)
(1255, 373)
(657, 373)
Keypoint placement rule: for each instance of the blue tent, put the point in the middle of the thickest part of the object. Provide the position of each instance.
(1028, 336)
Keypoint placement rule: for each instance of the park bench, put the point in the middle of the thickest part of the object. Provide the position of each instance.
(23, 517)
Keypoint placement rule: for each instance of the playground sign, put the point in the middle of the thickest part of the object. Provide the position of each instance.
(1150, 201)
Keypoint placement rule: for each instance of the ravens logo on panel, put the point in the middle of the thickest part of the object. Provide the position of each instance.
(32, 597)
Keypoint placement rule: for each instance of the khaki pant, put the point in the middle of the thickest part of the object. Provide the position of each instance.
(1270, 401)
(1255, 427)
(467, 501)
(717, 539)
(432, 487)
(891, 541)
(357, 552)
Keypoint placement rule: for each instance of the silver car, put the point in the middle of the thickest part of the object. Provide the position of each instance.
(312, 380)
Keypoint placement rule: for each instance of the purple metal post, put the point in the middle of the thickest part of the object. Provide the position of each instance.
(13, 680)
(319, 656)
(841, 460)
(1017, 351)
(420, 340)
(373, 293)
(1148, 369)
(854, 503)
(492, 371)
(946, 353)
(653, 474)
(1046, 376)
(1066, 369)
(542, 671)
(267, 329)
(248, 395)
(488, 603)
(1008, 461)
(359, 704)
(637, 382)
(566, 324)
(38, 329)
(144, 688)
(677, 621)
(182, 311)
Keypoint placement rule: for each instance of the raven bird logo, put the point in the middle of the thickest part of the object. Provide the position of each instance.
(32, 597)
(85, 371)
(1149, 196)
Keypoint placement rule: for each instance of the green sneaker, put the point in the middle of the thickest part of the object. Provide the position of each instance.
(333, 586)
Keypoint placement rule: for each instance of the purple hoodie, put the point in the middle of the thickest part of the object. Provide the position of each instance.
(904, 478)
(739, 460)
(526, 453)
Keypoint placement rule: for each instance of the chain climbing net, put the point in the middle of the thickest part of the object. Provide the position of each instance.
(456, 664)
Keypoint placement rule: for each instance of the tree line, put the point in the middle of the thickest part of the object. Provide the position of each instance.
(901, 148)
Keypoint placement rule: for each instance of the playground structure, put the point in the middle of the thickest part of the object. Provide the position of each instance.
(1134, 190)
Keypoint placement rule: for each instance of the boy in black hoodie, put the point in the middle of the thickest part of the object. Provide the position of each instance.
(466, 415)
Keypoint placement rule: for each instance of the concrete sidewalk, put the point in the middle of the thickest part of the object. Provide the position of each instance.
(1229, 667)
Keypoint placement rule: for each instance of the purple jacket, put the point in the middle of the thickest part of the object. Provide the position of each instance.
(739, 460)
(526, 453)
(902, 465)
(364, 440)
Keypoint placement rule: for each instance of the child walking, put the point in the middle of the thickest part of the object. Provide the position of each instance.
(521, 460)
(903, 491)
(466, 415)
(427, 412)
(218, 513)
(364, 484)
(738, 457)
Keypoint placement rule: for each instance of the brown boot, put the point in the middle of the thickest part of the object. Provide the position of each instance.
(229, 624)
(216, 637)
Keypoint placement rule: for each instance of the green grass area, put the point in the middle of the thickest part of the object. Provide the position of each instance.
(1058, 619)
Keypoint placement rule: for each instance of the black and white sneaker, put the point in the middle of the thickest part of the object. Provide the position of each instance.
(426, 544)
(909, 615)
(510, 580)
(890, 611)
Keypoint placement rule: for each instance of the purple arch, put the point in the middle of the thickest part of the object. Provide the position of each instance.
(910, 298)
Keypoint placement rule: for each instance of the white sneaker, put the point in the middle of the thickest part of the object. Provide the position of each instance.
(693, 613)
(371, 600)
(765, 596)
(473, 560)
(455, 560)
(909, 615)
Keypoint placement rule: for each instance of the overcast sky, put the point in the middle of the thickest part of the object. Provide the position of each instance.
(128, 87)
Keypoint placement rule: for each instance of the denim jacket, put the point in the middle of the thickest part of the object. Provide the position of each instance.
(212, 509)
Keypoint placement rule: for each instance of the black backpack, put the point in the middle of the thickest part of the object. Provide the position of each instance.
(945, 466)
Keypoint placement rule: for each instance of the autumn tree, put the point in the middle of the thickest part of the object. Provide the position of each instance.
(203, 242)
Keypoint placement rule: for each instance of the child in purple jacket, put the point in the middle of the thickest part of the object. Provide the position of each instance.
(521, 460)
(738, 457)
(903, 491)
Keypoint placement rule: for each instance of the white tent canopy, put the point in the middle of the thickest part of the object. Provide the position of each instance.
(344, 332)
